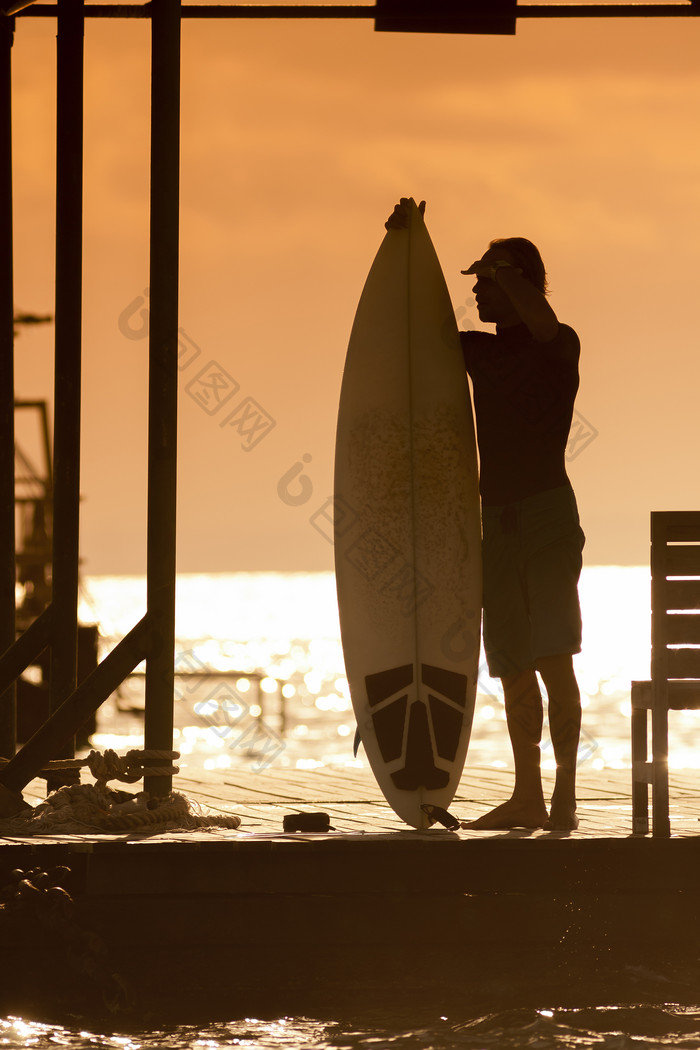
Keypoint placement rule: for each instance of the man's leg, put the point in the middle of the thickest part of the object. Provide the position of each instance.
(564, 706)
(525, 808)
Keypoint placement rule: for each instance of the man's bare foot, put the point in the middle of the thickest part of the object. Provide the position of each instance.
(562, 818)
(510, 814)
(562, 809)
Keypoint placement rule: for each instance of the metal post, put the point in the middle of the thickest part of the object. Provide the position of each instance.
(163, 377)
(69, 237)
(8, 707)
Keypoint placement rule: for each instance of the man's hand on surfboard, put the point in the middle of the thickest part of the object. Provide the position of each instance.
(400, 217)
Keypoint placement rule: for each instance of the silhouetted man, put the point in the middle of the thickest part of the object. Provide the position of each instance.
(525, 379)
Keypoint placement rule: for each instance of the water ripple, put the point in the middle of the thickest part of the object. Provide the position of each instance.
(603, 1028)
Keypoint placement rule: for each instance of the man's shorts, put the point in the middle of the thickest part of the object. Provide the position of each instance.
(532, 556)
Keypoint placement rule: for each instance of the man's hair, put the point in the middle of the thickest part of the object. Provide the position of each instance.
(527, 257)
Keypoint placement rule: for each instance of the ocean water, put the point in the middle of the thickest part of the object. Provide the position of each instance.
(285, 628)
(602, 1028)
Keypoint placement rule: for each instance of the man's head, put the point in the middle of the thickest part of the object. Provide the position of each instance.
(492, 302)
(523, 253)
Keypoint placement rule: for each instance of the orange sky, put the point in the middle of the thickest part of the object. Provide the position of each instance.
(297, 137)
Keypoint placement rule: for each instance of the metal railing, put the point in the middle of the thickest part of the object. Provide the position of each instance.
(153, 638)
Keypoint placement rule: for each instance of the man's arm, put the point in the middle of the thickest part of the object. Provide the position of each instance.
(529, 302)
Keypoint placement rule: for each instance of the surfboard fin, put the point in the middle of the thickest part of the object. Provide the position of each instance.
(356, 742)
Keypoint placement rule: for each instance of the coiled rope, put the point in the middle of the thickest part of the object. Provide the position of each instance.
(108, 765)
(81, 807)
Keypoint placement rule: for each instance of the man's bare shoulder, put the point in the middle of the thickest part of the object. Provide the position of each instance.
(565, 342)
(472, 337)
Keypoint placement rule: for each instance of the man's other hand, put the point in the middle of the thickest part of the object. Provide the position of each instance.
(400, 217)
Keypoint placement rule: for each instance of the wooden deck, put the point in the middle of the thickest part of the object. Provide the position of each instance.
(356, 806)
(217, 923)
(351, 797)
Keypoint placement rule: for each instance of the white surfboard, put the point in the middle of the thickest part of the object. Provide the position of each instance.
(407, 528)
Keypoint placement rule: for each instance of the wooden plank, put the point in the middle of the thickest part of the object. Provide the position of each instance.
(681, 628)
(684, 696)
(683, 559)
(675, 525)
(681, 594)
(683, 663)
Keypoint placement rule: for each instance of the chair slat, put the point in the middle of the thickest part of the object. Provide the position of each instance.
(683, 663)
(675, 526)
(680, 628)
(684, 696)
(681, 594)
(683, 560)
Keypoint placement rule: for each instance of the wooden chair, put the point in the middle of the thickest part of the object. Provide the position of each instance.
(675, 661)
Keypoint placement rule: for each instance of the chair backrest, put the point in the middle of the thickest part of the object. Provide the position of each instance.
(675, 596)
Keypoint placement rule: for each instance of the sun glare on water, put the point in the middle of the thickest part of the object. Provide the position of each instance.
(285, 627)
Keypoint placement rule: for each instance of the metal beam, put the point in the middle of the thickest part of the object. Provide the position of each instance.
(214, 11)
(67, 377)
(609, 10)
(446, 16)
(63, 723)
(352, 11)
(163, 380)
(15, 8)
(25, 650)
(8, 706)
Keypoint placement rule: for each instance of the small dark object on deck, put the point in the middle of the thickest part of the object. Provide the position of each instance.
(307, 822)
(436, 814)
